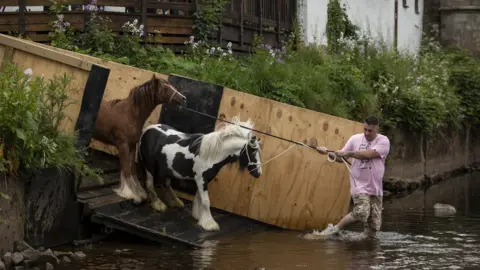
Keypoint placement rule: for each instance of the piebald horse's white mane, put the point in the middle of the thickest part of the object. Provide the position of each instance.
(212, 143)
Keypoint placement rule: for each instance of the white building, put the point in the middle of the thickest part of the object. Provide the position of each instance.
(374, 16)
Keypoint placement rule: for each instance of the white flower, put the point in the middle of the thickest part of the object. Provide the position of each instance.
(28, 72)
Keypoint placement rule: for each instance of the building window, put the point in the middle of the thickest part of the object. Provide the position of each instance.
(405, 4)
(416, 7)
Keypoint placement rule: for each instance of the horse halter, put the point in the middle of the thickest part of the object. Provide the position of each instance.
(174, 93)
(253, 145)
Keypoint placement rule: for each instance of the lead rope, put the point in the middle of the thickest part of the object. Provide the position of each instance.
(288, 149)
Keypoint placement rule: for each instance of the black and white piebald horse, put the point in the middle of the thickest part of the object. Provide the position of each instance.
(167, 154)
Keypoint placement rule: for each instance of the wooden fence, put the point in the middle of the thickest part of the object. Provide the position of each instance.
(172, 18)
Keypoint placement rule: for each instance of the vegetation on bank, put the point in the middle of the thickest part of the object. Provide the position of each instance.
(32, 109)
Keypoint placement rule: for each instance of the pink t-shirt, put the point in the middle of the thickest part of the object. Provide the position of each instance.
(367, 175)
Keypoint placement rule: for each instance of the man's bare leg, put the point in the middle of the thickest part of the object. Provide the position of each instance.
(345, 221)
(333, 229)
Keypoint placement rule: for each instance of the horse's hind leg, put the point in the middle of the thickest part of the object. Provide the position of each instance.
(171, 199)
(156, 203)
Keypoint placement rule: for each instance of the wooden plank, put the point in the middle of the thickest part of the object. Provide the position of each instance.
(39, 37)
(171, 30)
(47, 53)
(231, 34)
(154, 20)
(49, 3)
(46, 27)
(298, 190)
(172, 5)
(6, 56)
(46, 18)
(8, 28)
(167, 39)
(9, 3)
(10, 19)
(119, 3)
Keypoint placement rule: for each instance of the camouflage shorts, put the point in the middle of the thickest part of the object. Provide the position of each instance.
(368, 209)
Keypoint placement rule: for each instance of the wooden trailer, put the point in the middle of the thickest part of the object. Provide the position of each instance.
(298, 190)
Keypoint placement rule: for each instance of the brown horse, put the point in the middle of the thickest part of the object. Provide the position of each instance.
(120, 123)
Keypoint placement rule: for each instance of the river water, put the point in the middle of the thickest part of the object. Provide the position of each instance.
(412, 237)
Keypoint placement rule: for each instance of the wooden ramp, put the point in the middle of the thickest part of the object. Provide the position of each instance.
(175, 225)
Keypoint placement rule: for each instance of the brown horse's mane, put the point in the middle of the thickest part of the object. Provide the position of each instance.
(142, 96)
(144, 93)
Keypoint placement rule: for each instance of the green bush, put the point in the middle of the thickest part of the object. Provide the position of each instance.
(465, 77)
(31, 112)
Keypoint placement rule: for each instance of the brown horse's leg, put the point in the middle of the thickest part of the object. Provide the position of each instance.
(170, 198)
(125, 190)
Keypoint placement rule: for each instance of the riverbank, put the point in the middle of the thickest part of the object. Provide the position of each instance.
(417, 162)
(24, 257)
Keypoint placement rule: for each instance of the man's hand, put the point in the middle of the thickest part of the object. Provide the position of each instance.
(343, 154)
(322, 150)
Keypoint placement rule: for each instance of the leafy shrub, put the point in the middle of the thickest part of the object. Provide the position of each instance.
(465, 77)
(32, 111)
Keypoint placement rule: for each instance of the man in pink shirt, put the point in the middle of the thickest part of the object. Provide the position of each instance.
(369, 151)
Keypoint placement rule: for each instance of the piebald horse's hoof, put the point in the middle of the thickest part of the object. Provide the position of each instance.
(209, 225)
(159, 206)
(178, 203)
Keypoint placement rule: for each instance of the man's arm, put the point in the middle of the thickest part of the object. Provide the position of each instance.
(380, 150)
(364, 154)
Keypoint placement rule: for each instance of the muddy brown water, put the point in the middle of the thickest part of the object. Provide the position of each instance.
(412, 237)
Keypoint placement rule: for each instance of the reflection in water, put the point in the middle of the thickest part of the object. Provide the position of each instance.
(412, 237)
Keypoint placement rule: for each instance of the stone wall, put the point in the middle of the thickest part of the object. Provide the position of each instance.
(458, 22)
(418, 161)
(461, 24)
(12, 211)
(431, 16)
